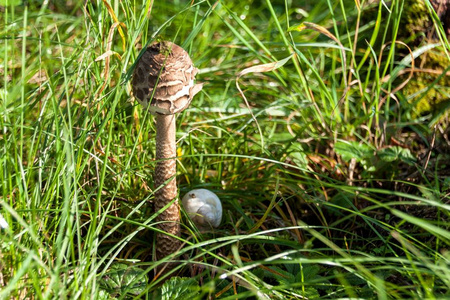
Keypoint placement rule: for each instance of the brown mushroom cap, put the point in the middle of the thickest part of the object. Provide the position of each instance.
(168, 67)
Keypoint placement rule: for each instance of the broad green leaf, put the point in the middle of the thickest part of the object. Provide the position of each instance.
(287, 278)
(299, 158)
(180, 288)
(283, 277)
(121, 279)
(297, 154)
(308, 272)
(394, 153)
(339, 203)
(349, 150)
(104, 295)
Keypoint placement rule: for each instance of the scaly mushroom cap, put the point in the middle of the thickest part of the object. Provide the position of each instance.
(169, 68)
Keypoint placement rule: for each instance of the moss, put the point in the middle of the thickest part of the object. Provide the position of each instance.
(417, 25)
(415, 18)
(425, 90)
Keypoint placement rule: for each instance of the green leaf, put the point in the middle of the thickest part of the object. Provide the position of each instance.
(283, 277)
(446, 183)
(396, 153)
(299, 159)
(286, 278)
(298, 155)
(121, 279)
(349, 150)
(103, 295)
(308, 271)
(339, 203)
(180, 288)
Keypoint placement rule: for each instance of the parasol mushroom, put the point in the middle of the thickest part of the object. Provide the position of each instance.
(163, 82)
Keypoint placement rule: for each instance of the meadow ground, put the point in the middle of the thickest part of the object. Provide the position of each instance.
(322, 126)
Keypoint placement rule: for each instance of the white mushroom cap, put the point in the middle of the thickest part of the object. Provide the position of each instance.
(3, 223)
(203, 207)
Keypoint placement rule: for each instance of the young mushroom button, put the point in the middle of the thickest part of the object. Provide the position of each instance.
(163, 82)
(203, 207)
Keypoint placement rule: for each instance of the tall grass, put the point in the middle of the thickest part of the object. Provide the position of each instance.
(334, 185)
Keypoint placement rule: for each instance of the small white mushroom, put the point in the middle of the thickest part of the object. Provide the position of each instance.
(3, 223)
(203, 207)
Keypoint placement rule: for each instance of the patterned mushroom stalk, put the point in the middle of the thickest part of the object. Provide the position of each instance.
(163, 82)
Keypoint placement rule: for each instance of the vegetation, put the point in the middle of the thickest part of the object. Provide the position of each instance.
(334, 181)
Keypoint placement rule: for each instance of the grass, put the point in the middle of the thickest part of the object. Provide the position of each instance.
(334, 181)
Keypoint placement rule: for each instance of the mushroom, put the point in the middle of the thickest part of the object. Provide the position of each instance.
(163, 82)
(3, 223)
(203, 207)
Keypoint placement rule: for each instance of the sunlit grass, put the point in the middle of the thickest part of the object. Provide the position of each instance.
(333, 184)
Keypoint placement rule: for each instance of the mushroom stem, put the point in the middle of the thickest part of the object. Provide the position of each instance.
(166, 185)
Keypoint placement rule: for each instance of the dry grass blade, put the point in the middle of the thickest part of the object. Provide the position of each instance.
(108, 53)
(106, 56)
(324, 31)
(259, 69)
(116, 20)
(264, 67)
(388, 77)
(385, 79)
